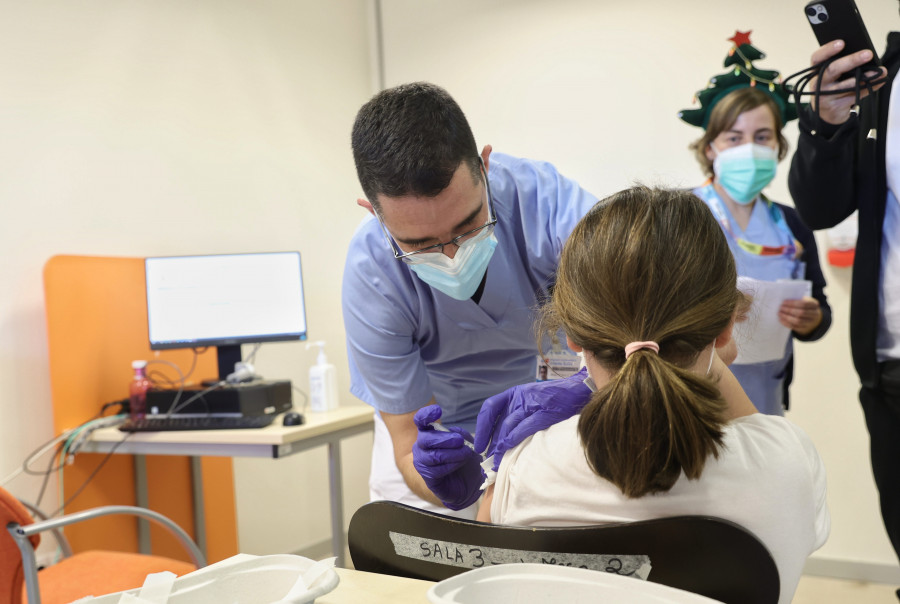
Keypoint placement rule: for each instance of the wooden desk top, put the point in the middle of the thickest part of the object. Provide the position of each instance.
(358, 586)
(274, 440)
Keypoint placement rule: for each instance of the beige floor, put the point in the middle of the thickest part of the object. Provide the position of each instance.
(821, 590)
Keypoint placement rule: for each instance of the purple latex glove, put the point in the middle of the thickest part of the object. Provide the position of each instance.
(451, 469)
(510, 417)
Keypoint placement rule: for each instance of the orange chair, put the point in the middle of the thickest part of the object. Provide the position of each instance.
(83, 574)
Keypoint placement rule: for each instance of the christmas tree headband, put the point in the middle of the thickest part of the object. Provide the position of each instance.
(744, 74)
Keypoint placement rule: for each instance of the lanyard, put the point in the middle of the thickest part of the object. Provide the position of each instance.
(791, 250)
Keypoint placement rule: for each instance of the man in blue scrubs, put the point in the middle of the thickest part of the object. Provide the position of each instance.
(442, 282)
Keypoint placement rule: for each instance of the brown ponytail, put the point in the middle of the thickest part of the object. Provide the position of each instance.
(647, 264)
(650, 423)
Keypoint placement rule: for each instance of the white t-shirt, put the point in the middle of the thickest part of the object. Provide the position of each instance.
(888, 343)
(768, 479)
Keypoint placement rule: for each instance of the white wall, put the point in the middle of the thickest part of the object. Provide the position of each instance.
(593, 86)
(142, 128)
(138, 128)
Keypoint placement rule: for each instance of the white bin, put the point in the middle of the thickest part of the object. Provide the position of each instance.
(539, 583)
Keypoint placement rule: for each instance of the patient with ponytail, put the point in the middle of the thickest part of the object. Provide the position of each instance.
(647, 290)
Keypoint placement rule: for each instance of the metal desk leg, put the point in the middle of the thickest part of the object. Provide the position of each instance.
(337, 502)
(199, 504)
(141, 500)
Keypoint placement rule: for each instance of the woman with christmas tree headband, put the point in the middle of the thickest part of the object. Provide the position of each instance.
(743, 112)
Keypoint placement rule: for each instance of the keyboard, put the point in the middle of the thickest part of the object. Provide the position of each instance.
(204, 422)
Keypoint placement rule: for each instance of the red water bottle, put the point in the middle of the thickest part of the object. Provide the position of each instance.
(137, 390)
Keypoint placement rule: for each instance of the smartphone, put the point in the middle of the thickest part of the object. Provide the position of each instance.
(840, 19)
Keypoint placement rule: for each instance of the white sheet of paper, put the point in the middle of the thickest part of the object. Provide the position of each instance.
(762, 337)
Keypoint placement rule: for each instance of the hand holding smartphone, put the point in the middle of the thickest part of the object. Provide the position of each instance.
(840, 20)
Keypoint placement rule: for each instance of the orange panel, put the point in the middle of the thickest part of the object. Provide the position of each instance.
(96, 325)
(220, 508)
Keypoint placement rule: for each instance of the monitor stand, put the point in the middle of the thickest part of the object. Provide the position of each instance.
(228, 356)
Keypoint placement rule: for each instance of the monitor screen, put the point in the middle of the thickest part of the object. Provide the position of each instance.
(224, 300)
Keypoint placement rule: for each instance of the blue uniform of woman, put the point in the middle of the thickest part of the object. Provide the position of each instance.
(772, 225)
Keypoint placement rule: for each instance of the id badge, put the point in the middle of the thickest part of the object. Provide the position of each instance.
(557, 365)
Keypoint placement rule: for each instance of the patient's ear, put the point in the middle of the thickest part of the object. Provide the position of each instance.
(725, 337)
(726, 347)
(573, 346)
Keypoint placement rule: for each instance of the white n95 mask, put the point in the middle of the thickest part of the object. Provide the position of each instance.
(744, 171)
(460, 276)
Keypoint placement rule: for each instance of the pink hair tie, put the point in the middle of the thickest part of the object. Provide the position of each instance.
(635, 346)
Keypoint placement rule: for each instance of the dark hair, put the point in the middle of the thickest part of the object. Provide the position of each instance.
(411, 139)
(725, 114)
(647, 264)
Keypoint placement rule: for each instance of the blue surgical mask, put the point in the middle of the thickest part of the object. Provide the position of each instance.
(744, 171)
(460, 276)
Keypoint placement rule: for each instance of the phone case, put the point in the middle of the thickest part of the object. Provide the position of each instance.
(840, 19)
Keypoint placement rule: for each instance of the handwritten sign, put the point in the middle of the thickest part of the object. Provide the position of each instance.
(477, 556)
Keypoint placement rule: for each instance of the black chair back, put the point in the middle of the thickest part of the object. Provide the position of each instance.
(709, 556)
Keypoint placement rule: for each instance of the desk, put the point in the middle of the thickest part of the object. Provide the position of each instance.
(358, 586)
(275, 441)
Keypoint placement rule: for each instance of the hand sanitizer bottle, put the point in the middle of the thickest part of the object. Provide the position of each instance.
(322, 382)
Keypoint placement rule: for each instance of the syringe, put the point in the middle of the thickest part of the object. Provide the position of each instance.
(441, 428)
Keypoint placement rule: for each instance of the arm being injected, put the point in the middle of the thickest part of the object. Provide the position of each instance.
(451, 464)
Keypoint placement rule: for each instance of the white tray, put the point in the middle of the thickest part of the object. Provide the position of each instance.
(243, 579)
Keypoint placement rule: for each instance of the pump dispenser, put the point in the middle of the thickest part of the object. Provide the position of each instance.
(322, 381)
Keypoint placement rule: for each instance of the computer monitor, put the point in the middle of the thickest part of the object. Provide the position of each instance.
(224, 300)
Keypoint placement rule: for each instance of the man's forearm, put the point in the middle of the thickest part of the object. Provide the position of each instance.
(414, 481)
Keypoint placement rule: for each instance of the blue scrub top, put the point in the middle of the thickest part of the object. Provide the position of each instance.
(408, 342)
(761, 381)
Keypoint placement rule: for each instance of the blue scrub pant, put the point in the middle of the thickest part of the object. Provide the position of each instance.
(764, 384)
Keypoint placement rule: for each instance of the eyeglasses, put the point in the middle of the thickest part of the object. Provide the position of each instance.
(480, 232)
